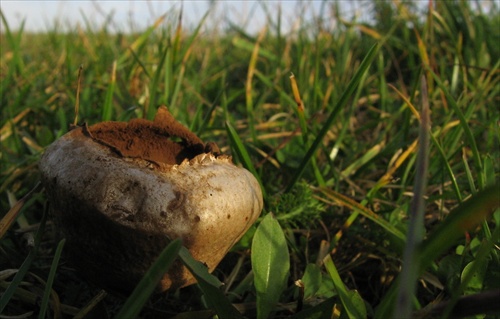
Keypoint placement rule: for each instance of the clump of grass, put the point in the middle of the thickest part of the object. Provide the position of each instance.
(298, 207)
(336, 155)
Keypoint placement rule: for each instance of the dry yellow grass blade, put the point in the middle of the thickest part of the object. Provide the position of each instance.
(6, 130)
(357, 207)
(251, 66)
(296, 93)
(407, 101)
(369, 31)
(78, 87)
(424, 56)
(31, 143)
(384, 180)
(11, 215)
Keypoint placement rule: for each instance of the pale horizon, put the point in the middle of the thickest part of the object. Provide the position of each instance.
(126, 16)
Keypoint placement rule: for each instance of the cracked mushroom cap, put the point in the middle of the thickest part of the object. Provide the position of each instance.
(120, 192)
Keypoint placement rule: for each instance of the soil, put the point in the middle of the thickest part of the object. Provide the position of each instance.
(153, 141)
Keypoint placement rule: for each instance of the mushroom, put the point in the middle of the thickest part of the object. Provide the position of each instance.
(120, 192)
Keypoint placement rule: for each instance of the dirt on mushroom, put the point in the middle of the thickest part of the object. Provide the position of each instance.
(148, 140)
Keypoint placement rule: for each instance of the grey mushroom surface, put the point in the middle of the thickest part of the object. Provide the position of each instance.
(120, 192)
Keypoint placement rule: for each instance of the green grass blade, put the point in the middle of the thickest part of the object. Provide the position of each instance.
(137, 59)
(360, 209)
(363, 167)
(10, 217)
(437, 145)
(208, 115)
(353, 310)
(249, 46)
(463, 122)
(210, 285)
(365, 158)
(270, 264)
(149, 282)
(282, 92)
(386, 306)
(300, 108)
(50, 280)
(489, 170)
(242, 153)
(9, 292)
(107, 108)
(89, 307)
(320, 311)
(416, 230)
(339, 106)
(153, 103)
(189, 45)
(473, 274)
(449, 170)
(140, 41)
(14, 43)
(168, 78)
(470, 283)
(464, 218)
(198, 269)
(249, 101)
(468, 173)
(178, 84)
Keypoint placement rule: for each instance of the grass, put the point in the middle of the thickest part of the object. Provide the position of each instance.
(343, 150)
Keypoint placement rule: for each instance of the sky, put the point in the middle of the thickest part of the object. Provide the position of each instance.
(134, 15)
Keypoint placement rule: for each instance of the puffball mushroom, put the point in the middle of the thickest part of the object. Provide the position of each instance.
(120, 192)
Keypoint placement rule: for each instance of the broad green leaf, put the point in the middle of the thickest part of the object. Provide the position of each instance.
(474, 273)
(475, 276)
(270, 264)
(353, 308)
(209, 284)
(474, 246)
(358, 302)
(311, 280)
(149, 282)
(327, 288)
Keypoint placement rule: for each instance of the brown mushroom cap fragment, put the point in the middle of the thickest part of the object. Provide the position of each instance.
(120, 192)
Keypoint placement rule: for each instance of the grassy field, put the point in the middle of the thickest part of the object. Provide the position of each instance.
(376, 143)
